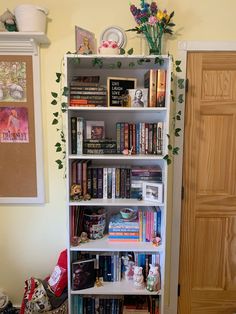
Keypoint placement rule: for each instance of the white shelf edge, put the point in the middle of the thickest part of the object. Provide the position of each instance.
(122, 109)
(104, 245)
(122, 287)
(39, 37)
(115, 202)
(117, 156)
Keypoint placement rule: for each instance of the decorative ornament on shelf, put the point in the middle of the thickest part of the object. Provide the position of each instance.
(109, 47)
(153, 23)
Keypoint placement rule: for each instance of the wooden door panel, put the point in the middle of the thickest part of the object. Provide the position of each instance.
(209, 254)
(208, 222)
(215, 139)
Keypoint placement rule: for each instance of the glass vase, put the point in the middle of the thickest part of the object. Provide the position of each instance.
(153, 35)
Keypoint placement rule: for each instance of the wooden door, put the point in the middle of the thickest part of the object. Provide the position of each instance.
(208, 225)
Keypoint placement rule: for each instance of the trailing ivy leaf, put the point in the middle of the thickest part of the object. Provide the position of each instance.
(118, 64)
(175, 151)
(178, 117)
(178, 69)
(56, 114)
(178, 62)
(169, 147)
(97, 62)
(131, 64)
(180, 98)
(58, 149)
(54, 121)
(65, 91)
(168, 135)
(147, 60)
(140, 61)
(168, 161)
(122, 51)
(58, 75)
(173, 98)
(64, 104)
(54, 102)
(54, 95)
(171, 92)
(159, 61)
(166, 157)
(58, 144)
(59, 163)
(130, 51)
(181, 83)
(63, 110)
(177, 130)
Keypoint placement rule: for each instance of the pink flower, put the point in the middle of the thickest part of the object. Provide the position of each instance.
(152, 20)
(114, 45)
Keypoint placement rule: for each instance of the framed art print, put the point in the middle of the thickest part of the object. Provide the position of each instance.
(153, 192)
(95, 130)
(85, 41)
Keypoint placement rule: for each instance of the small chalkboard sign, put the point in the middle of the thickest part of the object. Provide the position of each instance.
(117, 88)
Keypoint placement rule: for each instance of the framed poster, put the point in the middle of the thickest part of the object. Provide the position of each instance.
(117, 89)
(85, 42)
(21, 161)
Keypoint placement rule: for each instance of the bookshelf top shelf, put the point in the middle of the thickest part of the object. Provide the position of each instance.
(117, 156)
(104, 245)
(115, 288)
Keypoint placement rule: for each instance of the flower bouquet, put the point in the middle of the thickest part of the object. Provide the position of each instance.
(153, 23)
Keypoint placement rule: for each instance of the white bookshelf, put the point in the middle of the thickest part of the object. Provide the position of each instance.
(112, 115)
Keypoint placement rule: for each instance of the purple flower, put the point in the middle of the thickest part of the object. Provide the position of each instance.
(153, 8)
(152, 20)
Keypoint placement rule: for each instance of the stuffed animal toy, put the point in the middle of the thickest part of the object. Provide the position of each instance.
(75, 192)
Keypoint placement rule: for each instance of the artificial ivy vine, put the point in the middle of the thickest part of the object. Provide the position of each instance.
(175, 131)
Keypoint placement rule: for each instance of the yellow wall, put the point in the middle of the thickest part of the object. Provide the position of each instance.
(31, 237)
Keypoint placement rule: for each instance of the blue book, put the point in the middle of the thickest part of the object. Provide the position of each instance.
(124, 237)
(118, 221)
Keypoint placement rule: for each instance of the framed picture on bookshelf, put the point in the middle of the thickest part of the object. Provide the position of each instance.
(138, 97)
(153, 192)
(117, 89)
(85, 41)
(95, 130)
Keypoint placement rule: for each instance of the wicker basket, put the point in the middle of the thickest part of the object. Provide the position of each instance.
(63, 309)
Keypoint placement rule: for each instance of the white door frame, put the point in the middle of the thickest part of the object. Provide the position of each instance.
(183, 48)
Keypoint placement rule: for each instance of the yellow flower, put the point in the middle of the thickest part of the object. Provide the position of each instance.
(162, 15)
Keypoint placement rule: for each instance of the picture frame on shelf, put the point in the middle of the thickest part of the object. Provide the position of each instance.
(138, 97)
(117, 90)
(85, 42)
(153, 192)
(95, 130)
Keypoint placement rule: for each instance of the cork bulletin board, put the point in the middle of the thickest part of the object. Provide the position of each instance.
(18, 138)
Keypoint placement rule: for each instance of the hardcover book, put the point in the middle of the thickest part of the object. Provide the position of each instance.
(83, 274)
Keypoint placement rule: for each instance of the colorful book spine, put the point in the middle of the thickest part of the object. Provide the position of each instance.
(80, 128)
(161, 87)
(73, 135)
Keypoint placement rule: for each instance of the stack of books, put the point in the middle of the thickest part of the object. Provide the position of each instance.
(123, 230)
(98, 147)
(141, 174)
(86, 91)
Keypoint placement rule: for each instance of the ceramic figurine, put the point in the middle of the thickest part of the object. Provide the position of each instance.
(75, 192)
(129, 267)
(8, 20)
(138, 277)
(153, 278)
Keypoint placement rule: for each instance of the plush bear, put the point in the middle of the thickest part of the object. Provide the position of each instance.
(153, 278)
(138, 277)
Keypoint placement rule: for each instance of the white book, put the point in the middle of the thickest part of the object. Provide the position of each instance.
(80, 127)
(105, 183)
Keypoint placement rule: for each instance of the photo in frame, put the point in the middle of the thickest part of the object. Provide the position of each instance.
(153, 192)
(117, 90)
(138, 97)
(85, 42)
(95, 130)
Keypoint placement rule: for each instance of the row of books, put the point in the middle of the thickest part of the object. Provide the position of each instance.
(115, 304)
(144, 227)
(88, 137)
(109, 267)
(141, 138)
(112, 182)
(155, 81)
